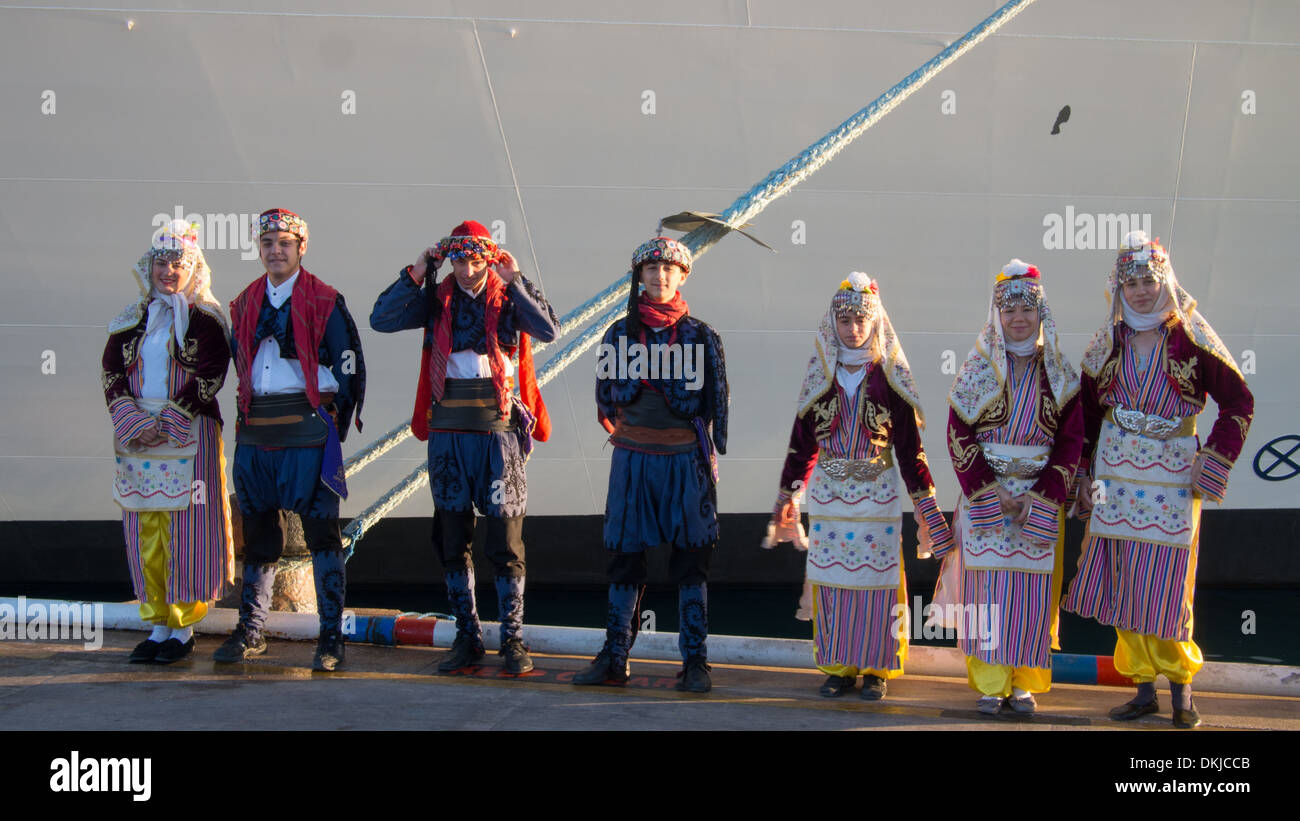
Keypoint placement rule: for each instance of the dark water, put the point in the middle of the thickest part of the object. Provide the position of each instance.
(1222, 625)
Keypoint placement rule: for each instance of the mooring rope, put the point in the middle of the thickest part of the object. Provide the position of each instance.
(748, 205)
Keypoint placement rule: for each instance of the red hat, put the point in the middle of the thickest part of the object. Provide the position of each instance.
(469, 240)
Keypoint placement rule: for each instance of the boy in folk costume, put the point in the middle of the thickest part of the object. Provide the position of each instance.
(301, 376)
(1146, 374)
(164, 363)
(858, 399)
(665, 423)
(479, 431)
(1015, 430)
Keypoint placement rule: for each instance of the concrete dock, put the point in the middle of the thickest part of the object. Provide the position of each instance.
(50, 685)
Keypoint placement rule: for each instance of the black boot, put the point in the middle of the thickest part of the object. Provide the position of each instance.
(329, 652)
(254, 606)
(1185, 715)
(465, 651)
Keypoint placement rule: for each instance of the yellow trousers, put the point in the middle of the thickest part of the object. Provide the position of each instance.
(998, 679)
(1142, 658)
(155, 558)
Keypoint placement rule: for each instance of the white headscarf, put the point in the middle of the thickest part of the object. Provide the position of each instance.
(172, 309)
(882, 346)
(982, 377)
(1174, 303)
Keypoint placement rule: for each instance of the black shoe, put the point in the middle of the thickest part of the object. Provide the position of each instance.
(695, 676)
(836, 686)
(243, 643)
(1130, 711)
(873, 688)
(1187, 719)
(329, 652)
(145, 652)
(464, 652)
(603, 670)
(516, 655)
(172, 650)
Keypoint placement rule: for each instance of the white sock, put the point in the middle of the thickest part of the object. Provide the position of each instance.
(160, 633)
(182, 634)
(1016, 692)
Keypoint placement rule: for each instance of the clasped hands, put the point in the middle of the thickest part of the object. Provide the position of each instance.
(1017, 507)
(151, 437)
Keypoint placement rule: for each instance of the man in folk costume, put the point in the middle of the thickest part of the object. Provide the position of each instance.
(476, 323)
(1015, 430)
(164, 363)
(858, 400)
(301, 377)
(1146, 374)
(661, 393)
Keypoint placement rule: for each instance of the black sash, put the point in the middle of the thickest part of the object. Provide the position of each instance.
(470, 404)
(282, 421)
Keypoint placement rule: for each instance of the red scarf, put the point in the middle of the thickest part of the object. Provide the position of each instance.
(310, 306)
(662, 314)
(433, 363)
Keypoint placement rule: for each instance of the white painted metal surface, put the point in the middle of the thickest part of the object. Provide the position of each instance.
(537, 115)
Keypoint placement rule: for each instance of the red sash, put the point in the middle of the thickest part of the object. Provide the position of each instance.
(311, 303)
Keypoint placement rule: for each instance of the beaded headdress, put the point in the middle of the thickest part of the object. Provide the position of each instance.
(1140, 256)
(280, 219)
(663, 249)
(1018, 284)
(859, 294)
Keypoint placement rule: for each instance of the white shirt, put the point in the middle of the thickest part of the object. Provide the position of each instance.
(272, 374)
(850, 381)
(153, 356)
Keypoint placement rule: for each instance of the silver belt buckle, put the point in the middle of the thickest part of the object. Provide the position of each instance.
(1023, 467)
(860, 470)
(1147, 424)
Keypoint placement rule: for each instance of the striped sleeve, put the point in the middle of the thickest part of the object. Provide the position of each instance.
(1213, 481)
(128, 420)
(985, 511)
(175, 424)
(927, 510)
(1043, 523)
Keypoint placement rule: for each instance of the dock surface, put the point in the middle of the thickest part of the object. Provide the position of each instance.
(49, 685)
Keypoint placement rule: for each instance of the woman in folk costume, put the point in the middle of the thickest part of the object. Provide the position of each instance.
(665, 422)
(858, 399)
(1146, 374)
(1015, 429)
(165, 360)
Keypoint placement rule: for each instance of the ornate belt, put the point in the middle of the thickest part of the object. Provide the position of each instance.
(1023, 467)
(1151, 425)
(861, 470)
